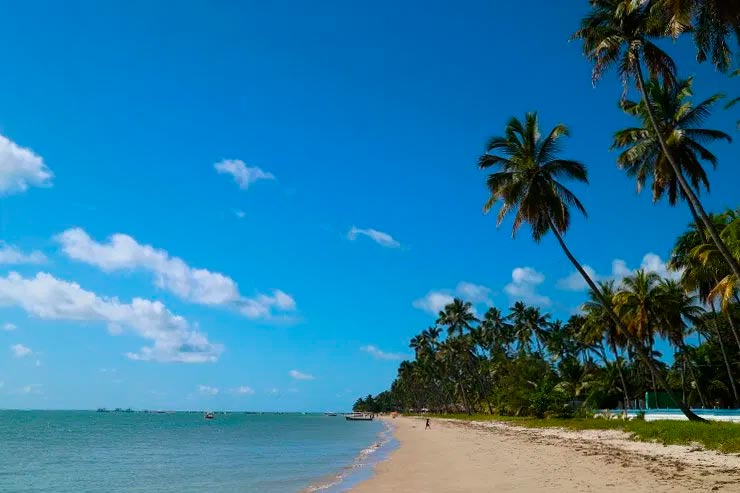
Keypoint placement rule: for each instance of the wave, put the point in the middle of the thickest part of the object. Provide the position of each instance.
(361, 467)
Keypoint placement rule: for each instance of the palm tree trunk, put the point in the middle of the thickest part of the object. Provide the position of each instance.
(655, 390)
(464, 396)
(685, 187)
(481, 386)
(687, 362)
(440, 393)
(724, 356)
(732, 327)
(683, 378)
(640, 351)
(450, 397)
(618, 362)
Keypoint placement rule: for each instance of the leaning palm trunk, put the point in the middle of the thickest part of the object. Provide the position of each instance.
(638, 347)
(655, 389)
(450, 397)
(685, 187)
(724, 355)
(683, 378)
(687, 362)
(618, 362)
(475, 370)
(464, 396)
(732, 327)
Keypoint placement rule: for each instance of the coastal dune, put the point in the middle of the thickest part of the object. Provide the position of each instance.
(456, 456)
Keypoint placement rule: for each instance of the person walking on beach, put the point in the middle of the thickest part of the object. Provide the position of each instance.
(428, 426)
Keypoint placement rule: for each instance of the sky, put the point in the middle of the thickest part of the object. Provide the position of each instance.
(255, 205)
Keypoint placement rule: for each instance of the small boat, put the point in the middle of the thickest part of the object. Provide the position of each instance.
(359, 417)
(208, 415)
(330, 414)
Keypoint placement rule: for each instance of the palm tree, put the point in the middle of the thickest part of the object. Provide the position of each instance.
(528, 183)
(679, 121)
(407, 371)
(417, 343)
(736, 99)
(677, 310)
(496, 331)
(622, 33)
(638, 305)
(457, 316)
(449, 354)
(522, 330)
(728, 223)
(539, 326)
(701, 266)
(599, 327)
(713, 22)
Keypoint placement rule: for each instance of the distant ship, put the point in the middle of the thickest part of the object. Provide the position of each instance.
(208, 415)
(330, 414)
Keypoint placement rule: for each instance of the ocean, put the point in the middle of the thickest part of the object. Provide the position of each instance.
(86, 451)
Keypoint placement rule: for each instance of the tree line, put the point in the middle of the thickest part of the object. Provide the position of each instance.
(523, 362)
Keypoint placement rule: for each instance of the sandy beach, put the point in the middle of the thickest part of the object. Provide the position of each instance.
(493, 457)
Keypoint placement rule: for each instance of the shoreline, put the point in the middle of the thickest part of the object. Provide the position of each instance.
(464, 456)
(362, 466)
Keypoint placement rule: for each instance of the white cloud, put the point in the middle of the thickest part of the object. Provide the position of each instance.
(21, 168)
(273, 391)
(9, 327)
(523, 286)
(575, 281)
(243, 390)
(300, 376)
(38, 363)
(651, 262)
(206, 390)
(10, 255)
(379, 237)
(243, 175)
(173, 339)
(377, 353)
(620, 270)
(435, 301)
(239, 213)
(475, 293)
(34, 388)
(263, 306)
(122, 252)
(20, 351)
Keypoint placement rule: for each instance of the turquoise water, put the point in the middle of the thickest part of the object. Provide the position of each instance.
(82, 451)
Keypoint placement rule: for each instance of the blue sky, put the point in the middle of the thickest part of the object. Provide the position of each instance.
(250, 159)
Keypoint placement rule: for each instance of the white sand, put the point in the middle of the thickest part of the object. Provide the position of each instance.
(466, 457)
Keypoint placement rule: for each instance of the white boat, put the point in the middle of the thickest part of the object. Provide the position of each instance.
(359, 417)
(330, 413)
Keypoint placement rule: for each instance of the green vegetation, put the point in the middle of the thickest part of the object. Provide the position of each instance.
(524, 363)
(724, 437)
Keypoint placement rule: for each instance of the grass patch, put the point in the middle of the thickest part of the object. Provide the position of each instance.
(724, 437)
